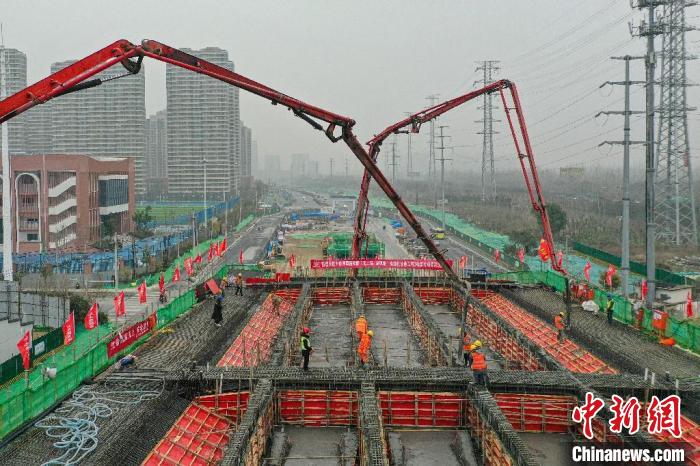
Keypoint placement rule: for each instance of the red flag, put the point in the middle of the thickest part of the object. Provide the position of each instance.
(222, 246)
(176, 274)
(240, 256)
(609, 274)
(188, 266)
(560, 259)
(587, 271)
(463, 262)
(689, 305)
(161, 283)
(119, 305)
(210, 254)
(24, 345)
(644, 289)
(497, 255)
(292, 260)
(142, 293)
(545, 250)
(198, 259)
(69, 330)
(521, 254)
(92, 318)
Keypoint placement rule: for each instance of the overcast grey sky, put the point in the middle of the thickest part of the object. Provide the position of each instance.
(375, 60)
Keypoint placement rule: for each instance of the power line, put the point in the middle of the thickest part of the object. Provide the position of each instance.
(488, 67)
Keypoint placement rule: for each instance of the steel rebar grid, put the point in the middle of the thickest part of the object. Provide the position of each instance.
(372, 442)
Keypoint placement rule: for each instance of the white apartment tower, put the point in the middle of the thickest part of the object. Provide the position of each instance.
(203, 123)
(16, 80)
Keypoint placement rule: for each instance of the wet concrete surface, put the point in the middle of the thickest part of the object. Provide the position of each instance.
(313, 446)
(449, 324)
(330, 337)
(548, 449)
(425, 448)
(391, 329)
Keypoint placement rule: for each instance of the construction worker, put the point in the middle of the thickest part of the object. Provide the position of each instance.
(306, 348)
(559, 325)
(610, 308)
(361, 326)
(478, 364)
(217, 316)
(239, 285)
(364, 346)
(276, 301)
(467, 347)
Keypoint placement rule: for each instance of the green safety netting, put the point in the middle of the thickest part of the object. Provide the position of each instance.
(30, 394)
(686, 333)
(341, 243)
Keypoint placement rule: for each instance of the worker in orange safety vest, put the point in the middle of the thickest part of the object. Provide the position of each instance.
(467, 347)
(478, 364)
(559, 325)
(361, 326)
(364, 346)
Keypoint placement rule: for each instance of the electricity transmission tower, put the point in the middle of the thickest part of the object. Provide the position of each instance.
(488, 67)
(409, 160)
(676, 221)
(626, 143)
(442, 161)
(431, 153)
(393, 160)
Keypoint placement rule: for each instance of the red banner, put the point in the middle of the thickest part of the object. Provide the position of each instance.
(128, 336)
(141, 290)
(188, 266)
(24, 346)
(161, 283)
(119, 304)
(420, 264)
(69, 330)
(92, 318)
(176, 274)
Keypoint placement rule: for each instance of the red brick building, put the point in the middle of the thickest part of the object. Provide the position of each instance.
(64, 201)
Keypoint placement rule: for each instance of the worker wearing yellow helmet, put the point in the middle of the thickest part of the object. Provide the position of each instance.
(478, 364)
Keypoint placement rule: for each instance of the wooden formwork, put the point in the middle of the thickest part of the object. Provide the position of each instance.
(257, 445)
(493, 451)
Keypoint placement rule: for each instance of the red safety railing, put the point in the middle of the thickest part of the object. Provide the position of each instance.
(317, 408)
(537, 413)
(422, 409)
(571, 355)
(433, 295)
(379, 295)
(253, 345)
(331, 295)
(198, 437)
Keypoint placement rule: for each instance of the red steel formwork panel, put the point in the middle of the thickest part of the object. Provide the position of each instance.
(331, 295)
(433, 295)
(379, 295)
(572, 356)
(422, 409)
(537, 413)
(289, 294)
(502, 342)
(253, 345)
(317, 408)
(230, 405)
(198, 437)
(689, 441)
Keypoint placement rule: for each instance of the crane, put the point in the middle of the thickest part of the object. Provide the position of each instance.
(521, 140)
(76, 77)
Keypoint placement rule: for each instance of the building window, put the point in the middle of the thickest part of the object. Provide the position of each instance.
(32, 237)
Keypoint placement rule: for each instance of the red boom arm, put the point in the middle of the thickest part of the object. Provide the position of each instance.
(75, 77)
(520, 139)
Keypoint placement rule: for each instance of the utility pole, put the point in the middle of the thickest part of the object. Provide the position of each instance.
(409, 163)
(676, 219)
(442, 160)
(393, 160)
(116, 263)
(487, 159)
(6, 177)
(650, 30)
(204, 162)
(625, 240)
(432, 98)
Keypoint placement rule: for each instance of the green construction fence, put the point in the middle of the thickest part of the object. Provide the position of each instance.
(686, 332)
(42, 345)
(29, 394)
(662, 275)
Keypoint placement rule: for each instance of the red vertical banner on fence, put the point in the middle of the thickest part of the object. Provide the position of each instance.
(222, 246)
(92, 317)
(142, 293)
(161, 283)
(497, 256)
(609, 274)
(587, 271)
(188, 266)
(689, 305)
(545, 250)
(176, 274)
(240, 256)
(463, 262)
(119, 305)
(69, 330)
(644, 289)
(24, 345)
(211, 253)
(521, 255)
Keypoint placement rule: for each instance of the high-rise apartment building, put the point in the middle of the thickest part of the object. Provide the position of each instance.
(246, 150)
(15, 63)
(156, 155)
(104, 121)
(203, 124)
